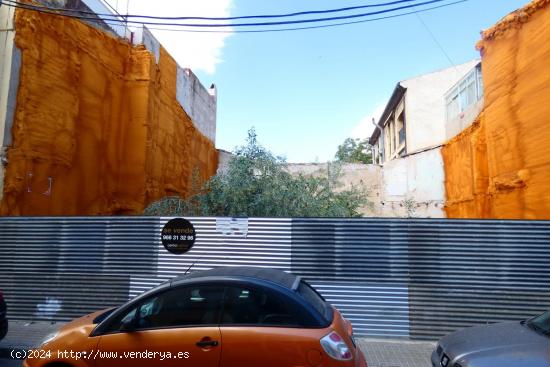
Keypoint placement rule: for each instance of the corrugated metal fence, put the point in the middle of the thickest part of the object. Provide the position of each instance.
(409, 278)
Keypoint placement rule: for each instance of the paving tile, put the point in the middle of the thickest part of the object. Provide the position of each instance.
(396, 353)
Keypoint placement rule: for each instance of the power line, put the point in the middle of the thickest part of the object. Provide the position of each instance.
(119, 22)
(435, 39)
(49, 11)
(309, 12)
(312, 27)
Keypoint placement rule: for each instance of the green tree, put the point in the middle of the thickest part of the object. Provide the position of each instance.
(256, 184)
(354, 151)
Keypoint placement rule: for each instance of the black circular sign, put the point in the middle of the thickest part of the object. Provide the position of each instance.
(178, 236)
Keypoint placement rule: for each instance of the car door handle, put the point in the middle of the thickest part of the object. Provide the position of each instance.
(207, 343)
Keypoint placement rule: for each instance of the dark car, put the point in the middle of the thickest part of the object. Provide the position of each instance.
(232, 316)
(3, 317)
(509, 344)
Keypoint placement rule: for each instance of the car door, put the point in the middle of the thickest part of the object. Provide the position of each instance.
(261, 328)
(176, 327)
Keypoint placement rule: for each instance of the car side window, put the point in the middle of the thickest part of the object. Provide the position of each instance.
(312, 297)
(182, 306)
(257, 306)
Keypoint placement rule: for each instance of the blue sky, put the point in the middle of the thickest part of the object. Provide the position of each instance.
(306, 91)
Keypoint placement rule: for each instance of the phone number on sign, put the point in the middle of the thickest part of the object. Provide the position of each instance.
(94, 354)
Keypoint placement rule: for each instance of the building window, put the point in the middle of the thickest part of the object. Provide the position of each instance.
(387, 142)
(468, 91)
(395, 136)
(401, 128)
(392, 132)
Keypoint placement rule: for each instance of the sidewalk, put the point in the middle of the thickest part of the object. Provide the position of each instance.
(378, 352)
(396, 353)
(24, 334)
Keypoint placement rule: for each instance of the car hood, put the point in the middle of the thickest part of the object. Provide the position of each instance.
(516, 356)
(74, 335)
(503, 344)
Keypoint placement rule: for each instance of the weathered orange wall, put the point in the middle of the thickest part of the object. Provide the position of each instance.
(500, 168)
(100, 120)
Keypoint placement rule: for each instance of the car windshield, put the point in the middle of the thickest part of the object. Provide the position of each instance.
(104, 315)
(541, 323)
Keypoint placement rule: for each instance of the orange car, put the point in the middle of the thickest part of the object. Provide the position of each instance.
(233, 316)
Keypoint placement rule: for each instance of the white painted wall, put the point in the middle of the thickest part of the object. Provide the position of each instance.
(150, 42)
(425, 106)
(419, 178)
(224, 157)
(197, 101)
(462, 121)
(100, 7)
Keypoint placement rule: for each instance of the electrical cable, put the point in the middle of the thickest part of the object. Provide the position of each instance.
(311, 27)
(48, 11)
(118, 23)
(224, 18)
(435, 40)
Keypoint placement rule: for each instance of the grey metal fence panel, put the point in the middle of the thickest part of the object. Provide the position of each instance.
(375, 309)
(391, 277)
(56, 268)
(223, 242)
(364, 264)
(457, 272)
(471, 272)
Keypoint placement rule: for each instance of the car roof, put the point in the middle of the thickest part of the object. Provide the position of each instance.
(277, 276)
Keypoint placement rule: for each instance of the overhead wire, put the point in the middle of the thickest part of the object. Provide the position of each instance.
(309, 12)
(124, 21)
(434, 38)
(311, 27)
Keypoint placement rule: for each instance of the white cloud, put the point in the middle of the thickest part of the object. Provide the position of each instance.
(365, 127)
(198, 51)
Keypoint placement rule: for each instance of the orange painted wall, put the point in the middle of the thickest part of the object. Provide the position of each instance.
(500, 168)
(99, 120)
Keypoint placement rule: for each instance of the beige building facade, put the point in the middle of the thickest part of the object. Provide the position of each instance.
(421, 115)
(415, 117)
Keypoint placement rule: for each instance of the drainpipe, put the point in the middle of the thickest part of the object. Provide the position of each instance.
(381, 138)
